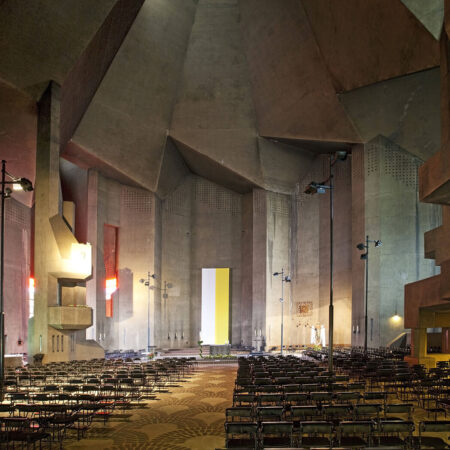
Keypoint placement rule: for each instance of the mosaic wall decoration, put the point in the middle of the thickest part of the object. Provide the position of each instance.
(304, 309)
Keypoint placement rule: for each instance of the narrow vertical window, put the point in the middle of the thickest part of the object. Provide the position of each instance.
(110, 239)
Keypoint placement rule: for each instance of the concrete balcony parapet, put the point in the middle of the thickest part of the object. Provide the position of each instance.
(434, 180)
(431, 239)
(70, 317)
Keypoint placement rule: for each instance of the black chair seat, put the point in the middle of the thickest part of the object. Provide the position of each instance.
(352, 441)
(277, 442)
(390, 441)
(315, 441)
(241, 443)
(428, 442)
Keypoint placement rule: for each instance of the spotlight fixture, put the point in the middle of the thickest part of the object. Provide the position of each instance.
(360, 246)
(341, 155)
(364, 256)
(23, 184)
(378, 243)
(7, 193)
(316, 188)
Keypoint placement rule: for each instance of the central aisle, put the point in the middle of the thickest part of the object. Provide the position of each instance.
(190, 416)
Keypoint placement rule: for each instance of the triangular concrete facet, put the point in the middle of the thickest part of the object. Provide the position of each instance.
(430, 13)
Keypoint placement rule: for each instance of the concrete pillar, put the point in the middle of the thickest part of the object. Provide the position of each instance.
(245, 315)
(176, 269)
(47, 204)
(445, 346)
(259, 267)
(358, 236)
(278, 257)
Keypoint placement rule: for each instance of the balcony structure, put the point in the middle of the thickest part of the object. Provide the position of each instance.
(70, 317)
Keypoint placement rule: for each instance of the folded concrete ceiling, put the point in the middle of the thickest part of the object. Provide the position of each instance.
(126, 123)
(42, 40)
(363, 42)
(406, 110)
(216, 75)
(430, 13)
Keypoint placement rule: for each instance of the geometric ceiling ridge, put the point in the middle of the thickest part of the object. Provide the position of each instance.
(405, 109)
(207, 167)
(430, 13)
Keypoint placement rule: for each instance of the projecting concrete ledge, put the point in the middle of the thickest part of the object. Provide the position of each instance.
(430, 242)
(434, 181)
(70, 317)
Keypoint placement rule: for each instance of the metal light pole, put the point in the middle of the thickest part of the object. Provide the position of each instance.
(366, 304)
(284, 279)
(321, 188)
(2, 272)
(25, 185)
(146, 282)
(365, 256)
(331, 306)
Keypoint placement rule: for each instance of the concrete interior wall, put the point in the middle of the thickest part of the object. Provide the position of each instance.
(393, 214)
(17, 271)
(197, 144)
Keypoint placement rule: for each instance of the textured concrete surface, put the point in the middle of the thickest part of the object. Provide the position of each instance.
(405, 109)
(430, 14)
(384, 41)
(281, 41)
(393, 214)
(193, 128)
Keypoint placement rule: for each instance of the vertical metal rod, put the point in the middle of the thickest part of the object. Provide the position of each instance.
(2, 272)
(148, 312)
(282, 308)
(331, 307)
(367, 295)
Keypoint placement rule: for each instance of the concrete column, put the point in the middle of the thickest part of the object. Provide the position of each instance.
(245, 314)
(394, 215)
(358, 236)
(278, 257)
(445, 346)
(259, 267)
(176, 268)
(47, 204)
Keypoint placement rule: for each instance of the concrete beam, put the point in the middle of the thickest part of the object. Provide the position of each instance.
(85, 76)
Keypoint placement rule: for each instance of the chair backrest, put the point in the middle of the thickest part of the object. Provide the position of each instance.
(348, 396)
(296, 398)
(244, 398)
(316, 427)
(337, 411)
(302, 412)
(239, 411)
(396, 426)
(276, 399)
(367, 409)
(396, 408)
(270, 411)
(276, 427)
(291, 388)
(355, 427)
(233, 428)
(435, 426)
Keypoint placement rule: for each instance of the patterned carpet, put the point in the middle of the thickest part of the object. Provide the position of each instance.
(190, 416)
